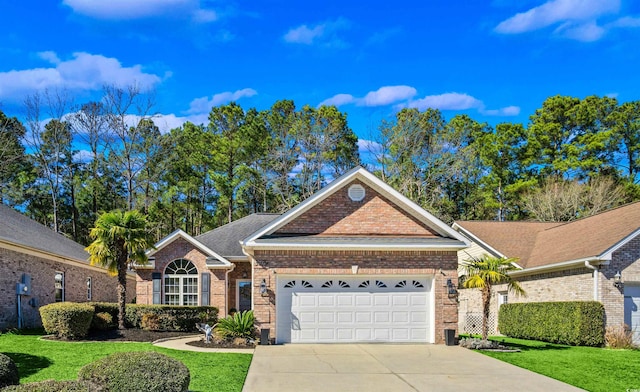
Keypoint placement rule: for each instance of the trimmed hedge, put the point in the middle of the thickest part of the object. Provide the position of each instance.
(137, 371)
(579, 323)
(53, 386)
(67, 320)
(169, 318)
(8, 372)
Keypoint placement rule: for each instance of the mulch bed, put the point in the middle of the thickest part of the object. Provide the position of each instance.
(220, 344)
(131, 335)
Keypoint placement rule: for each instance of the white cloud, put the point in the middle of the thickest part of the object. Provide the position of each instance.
(611, 95)
(338, 100)
(586, 32)
(83, 156)
(556, 11)
(369, 146)
(387, 95)
(323, 33)
(447, 101)
(303, 34)
(506, 111)
(49, 56)
(204, 104)
(140, 9)
(84, 71)
(167, 122)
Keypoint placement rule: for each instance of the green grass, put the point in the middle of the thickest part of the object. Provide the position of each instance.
(590, 368)
(39, 360)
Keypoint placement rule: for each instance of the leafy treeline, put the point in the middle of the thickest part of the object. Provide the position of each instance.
(574, 158)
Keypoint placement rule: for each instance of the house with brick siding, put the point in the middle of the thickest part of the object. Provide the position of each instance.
(39, 266)
(592, 259)
(356, 262)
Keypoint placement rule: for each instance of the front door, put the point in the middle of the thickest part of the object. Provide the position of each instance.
(243, 294)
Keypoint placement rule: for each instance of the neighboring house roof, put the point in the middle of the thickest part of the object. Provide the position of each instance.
(22, 231)
(225, 239)
(540, 244)
(268, 237)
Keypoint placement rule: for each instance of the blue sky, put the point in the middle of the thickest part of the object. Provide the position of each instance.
(494, 60)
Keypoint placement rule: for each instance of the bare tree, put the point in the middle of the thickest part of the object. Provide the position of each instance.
(125, 108)
(51, 143)
(563, 201)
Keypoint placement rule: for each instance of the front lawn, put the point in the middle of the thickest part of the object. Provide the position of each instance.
(590, 368)
(39, 360)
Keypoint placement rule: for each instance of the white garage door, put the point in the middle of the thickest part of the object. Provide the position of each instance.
(631, 310)
(329, 309)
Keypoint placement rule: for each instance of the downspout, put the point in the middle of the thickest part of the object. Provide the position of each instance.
(595, 278)
(226, 288)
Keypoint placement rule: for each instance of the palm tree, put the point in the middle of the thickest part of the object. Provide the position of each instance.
(119, 238)
(485, 272)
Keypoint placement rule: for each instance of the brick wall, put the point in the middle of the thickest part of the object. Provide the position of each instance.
(339, 215)
(13, 264)
(627, 261)
(442, 265)
(182, 249)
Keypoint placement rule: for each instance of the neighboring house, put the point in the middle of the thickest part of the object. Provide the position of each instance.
(44, 267)
(591, 259)
(356, 262)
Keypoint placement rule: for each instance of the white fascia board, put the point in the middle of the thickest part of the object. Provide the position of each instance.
(181, 234)
(466, 233)
(559, 266)
(608, 254)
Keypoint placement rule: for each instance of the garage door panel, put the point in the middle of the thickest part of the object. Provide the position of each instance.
(345, 317)
(344, 309)
(326, 317)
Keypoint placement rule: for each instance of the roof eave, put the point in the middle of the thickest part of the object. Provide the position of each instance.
(342, 247)
(560, 266)
(472, 237)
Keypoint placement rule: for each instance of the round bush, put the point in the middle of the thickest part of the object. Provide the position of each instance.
(137, 371)
(53, 386)
(102, 321)
(67, 320)
(8, 372)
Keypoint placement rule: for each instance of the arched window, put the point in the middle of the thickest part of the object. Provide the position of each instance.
(181, 283)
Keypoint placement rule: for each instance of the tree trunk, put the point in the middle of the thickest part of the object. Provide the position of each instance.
(122, 288)
(486, 300)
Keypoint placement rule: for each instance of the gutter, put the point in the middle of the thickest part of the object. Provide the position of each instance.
(595, 278)
(399, 247)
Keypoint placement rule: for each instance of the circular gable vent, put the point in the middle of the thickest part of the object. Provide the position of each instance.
(356, 192)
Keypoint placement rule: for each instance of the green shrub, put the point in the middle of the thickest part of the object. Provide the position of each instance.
(102, 321)
(150, 322)
(579, 323)
(8, 371)
(53, 386)
(240, 325)
(137, 371)
(67, 320)
(169, 318)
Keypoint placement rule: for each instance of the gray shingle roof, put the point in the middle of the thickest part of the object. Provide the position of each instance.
(20, 230)
(225, 240)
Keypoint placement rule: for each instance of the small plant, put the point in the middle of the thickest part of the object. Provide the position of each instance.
(618, 336)
(137, 371)
(240, 325)
(8, 372)
(67, 320)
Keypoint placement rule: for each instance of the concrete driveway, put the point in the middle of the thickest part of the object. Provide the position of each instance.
(387, 367)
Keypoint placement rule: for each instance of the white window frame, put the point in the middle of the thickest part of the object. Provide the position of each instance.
(503, 298)
(181, 294)
(238, 281)
(61, 288)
